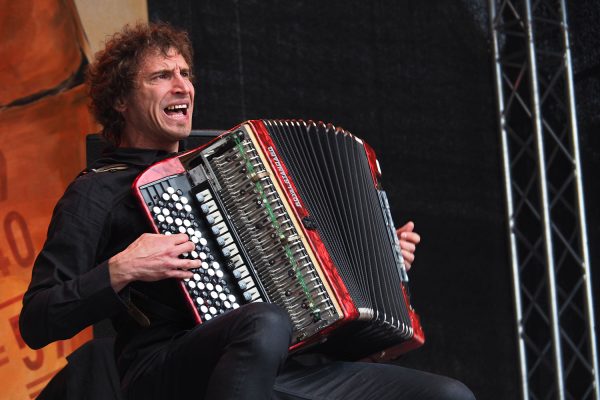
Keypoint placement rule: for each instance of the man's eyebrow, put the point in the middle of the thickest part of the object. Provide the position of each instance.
(167, 71)
(160, 71)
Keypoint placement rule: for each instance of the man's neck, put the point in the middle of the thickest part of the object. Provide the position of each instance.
(140, 142)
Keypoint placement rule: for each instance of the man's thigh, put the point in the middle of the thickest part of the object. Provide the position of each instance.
(318, 379)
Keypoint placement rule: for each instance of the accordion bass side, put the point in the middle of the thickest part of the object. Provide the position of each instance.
(292, 213)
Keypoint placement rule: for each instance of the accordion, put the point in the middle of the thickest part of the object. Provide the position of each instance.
(292, 213)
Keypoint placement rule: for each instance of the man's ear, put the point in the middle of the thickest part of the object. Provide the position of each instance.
(120, 105)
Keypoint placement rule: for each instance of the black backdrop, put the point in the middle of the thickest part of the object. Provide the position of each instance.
(414, 79)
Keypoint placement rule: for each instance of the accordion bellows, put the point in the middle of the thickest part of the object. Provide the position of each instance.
(292, 213)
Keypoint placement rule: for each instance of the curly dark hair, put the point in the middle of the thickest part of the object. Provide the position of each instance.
(112, 74)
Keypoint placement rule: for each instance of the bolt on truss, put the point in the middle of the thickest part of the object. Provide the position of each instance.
(546, 216)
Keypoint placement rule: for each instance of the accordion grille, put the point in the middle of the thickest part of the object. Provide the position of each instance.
(331, 172)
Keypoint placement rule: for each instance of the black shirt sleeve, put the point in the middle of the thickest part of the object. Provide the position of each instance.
(70, 289)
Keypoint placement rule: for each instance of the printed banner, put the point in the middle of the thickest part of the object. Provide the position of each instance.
(43, 122)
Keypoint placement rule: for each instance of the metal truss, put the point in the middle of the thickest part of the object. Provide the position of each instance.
(546, 217)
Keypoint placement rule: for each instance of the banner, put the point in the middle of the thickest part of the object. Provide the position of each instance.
(43, 122)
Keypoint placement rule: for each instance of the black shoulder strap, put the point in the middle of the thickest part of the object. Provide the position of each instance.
(106, 168)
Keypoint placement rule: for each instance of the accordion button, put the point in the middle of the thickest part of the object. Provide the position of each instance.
(216, 265)
(194, 239)
(166, 212)
(216, 230)
(201, 286)
(210, 286)
(213, 310)
(160, 218)
(156, 210)
(178, 221)
(203, 242)
(199, 197)
(202, 256)
(219, 274)
(204, 309)
(223, 297)
(166, 196)
(175, 197)
(227, 304)
(187, 208)
(196, 277)
(170, 190)
(186, 223)
(194, 254)
(179, 206)
(214, 295)
(231, 298)
(192, 284)
(207, 317)
(211, 272)
(218, 288)
(183, 200)
(235, 305)
(169, 219)
(182, 229)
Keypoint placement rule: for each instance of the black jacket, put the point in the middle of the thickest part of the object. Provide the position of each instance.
(96, 218)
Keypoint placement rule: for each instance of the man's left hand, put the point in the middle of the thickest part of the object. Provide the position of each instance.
(408, 242)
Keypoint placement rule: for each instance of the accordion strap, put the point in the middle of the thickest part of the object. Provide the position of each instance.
(106, 168)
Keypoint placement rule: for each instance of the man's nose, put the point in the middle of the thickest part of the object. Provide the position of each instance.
(180, 84)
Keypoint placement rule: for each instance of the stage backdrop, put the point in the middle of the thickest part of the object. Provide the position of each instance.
(43, 122)
(414, 79)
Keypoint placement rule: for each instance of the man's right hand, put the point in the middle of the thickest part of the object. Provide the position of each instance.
(152, 257)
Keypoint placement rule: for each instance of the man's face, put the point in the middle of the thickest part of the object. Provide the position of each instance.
(158, 111)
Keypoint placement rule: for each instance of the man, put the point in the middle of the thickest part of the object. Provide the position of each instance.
(99, 261)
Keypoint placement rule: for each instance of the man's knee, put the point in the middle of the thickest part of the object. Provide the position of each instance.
(452, 389)
(269, 327)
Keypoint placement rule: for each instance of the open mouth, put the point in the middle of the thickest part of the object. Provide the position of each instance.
(177, 110)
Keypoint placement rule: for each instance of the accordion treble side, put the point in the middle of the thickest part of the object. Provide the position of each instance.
(292, 213)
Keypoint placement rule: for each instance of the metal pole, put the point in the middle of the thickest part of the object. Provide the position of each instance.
(580, 203)
(550, 265)
(509, 205)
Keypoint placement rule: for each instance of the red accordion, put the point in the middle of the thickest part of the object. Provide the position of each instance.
(292, 213)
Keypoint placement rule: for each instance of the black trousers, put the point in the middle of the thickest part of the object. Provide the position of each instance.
(242, 355)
